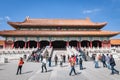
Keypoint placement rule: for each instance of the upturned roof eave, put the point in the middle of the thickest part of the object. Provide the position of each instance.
(17, 25)
(56, 33)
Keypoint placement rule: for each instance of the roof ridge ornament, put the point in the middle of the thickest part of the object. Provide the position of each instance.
(27, 17)
(88, 19)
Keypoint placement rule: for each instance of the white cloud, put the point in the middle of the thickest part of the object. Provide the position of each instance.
(7, 18)
(91, 11)
(4, 19)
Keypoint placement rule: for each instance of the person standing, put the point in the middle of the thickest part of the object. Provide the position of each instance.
(20, 64)
(64, 58)
(108, 61)
(80, 63)
(76, 59)
(56, 59)
(61, 60)
(49, 60)
(112, 64)
(96, 61)
(68, 57)
(72, 64)
(44, 64)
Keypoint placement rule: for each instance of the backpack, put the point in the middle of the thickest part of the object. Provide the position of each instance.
(72, 62)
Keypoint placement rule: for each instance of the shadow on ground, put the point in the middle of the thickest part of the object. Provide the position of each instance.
(27, 72)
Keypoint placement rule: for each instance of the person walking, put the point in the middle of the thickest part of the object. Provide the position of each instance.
(72, 64)
(103, 59)
(112, 64)
(44, 64)
(20, 64)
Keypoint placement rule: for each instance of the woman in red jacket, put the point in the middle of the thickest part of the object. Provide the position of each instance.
(21, 62)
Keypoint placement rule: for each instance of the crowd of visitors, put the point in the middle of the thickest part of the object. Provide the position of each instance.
(106, 59)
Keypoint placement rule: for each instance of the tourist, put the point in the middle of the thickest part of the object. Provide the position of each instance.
(44, 64)
(97, 58)
(20, 64)
(61, 60)
(76, 59)
(108, 61)
(49, 60)
(80, 63)
(112, 64)
(72, 64)
(41, 58)
(68, 57)
(64, 58)
(103, 59)
(56, 59)
(93, 57)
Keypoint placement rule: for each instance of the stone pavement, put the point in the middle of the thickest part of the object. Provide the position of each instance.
(32, 71)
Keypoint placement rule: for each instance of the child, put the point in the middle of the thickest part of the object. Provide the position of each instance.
(21, 62)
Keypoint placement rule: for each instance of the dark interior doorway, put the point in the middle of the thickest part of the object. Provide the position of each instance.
(19, 44)
(32, 44)
(59, 44)
(85, 44)
(73, 43)
(44, 44)
(96, 44)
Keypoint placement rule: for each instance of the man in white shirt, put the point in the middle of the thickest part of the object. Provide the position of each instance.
(44, 64)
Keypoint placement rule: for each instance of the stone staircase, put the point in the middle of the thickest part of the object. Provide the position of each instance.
(59, 52)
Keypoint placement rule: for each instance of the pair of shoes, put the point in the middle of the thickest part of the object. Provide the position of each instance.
(75, 73)
(118, 72)
(69, 74)
(41, 71)
(112, 73)
(45, 71)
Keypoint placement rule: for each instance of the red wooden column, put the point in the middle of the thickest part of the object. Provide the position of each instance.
(25, 45)
(79, 43)
(67, 43)
(90, 44)
(102, 43)
(37, 44)
(13, 45)
(4, 46)
(109, 45)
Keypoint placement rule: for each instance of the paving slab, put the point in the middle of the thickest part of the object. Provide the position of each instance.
(32, 71)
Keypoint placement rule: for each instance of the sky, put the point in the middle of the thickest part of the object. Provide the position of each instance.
(97, 10)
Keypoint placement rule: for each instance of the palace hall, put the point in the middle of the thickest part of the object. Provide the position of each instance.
(56, 33)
